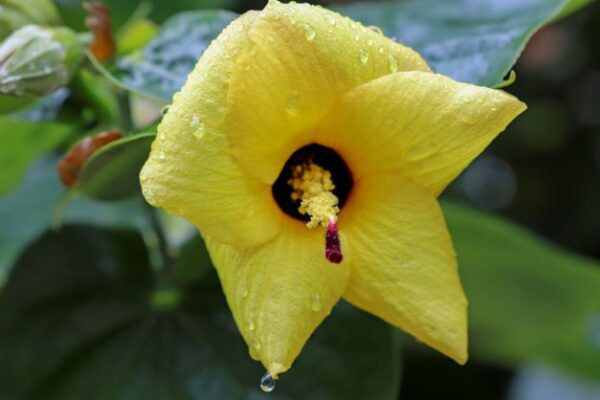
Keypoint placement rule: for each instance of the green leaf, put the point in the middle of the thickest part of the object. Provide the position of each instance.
(528, 301)
(11, 103)
(573, 6)
(161, 68)
(34, 207)
(80, 318)
(476, 41)
(121, 11)
(23, 142)
(112, 173)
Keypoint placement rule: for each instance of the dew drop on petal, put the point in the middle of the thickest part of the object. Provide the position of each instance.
(244, 292)
(292, 103)
(369, 42)
(376, 29)
(315, 303)
(267, 383)
(330, 19)
(392, 63)
(161, 154)
(363, 55)
(309, 32)
(356, 38)
(251, 326)
(381, 50)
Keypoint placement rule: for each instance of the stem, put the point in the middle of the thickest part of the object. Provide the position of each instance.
(158, 245)
(126, 122)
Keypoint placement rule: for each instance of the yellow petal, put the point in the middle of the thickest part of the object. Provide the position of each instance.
(403, 263)
(300, 59)
(279, 292)
(425, 126)
(190, 171)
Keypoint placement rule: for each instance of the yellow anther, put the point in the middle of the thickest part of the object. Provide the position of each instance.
(313, 186)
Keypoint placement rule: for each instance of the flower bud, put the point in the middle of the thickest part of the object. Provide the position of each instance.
(35, 61)
(17, 13)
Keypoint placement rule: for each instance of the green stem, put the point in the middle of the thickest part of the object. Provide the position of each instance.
(159, 246)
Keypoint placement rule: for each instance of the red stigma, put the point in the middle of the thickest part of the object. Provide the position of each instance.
(333, 251)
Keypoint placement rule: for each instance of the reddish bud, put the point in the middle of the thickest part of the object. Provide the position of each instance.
(70, 164)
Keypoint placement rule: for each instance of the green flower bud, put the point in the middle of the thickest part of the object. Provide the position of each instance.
(17, 13)
(35, 61)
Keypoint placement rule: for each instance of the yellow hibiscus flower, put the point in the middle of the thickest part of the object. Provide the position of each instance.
(296, 118)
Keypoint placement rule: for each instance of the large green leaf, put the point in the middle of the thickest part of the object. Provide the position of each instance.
(112, 173)
(80, 318)
(35, 206)
(23, 142)
(528, 300)
(475, 41)
(161, 67)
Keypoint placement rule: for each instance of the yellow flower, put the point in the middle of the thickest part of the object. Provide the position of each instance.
(297, 118)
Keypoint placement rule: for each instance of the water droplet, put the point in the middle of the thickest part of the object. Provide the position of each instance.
(292, 102)
(256, 345)
(149, 194)
(330, 19)
(356, 38)
(381, 50)
(165, 110)
(161, 154)
(251, 326)
(369, 42)
(363, 55)
(376, 29)
(310, 32)
(267, 383)
(316, 302)
(244, 292)
(392, 63)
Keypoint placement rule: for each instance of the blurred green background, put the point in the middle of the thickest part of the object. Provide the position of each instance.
(535, 310)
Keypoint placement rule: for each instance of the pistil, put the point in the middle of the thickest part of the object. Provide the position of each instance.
(312, 185)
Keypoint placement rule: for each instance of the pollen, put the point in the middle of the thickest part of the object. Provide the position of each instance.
(313, 186)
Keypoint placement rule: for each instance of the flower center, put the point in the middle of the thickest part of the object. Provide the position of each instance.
(313, 187)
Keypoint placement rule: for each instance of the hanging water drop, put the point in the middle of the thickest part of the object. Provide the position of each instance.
(267, 383)
(309, 32)
(363, 55)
